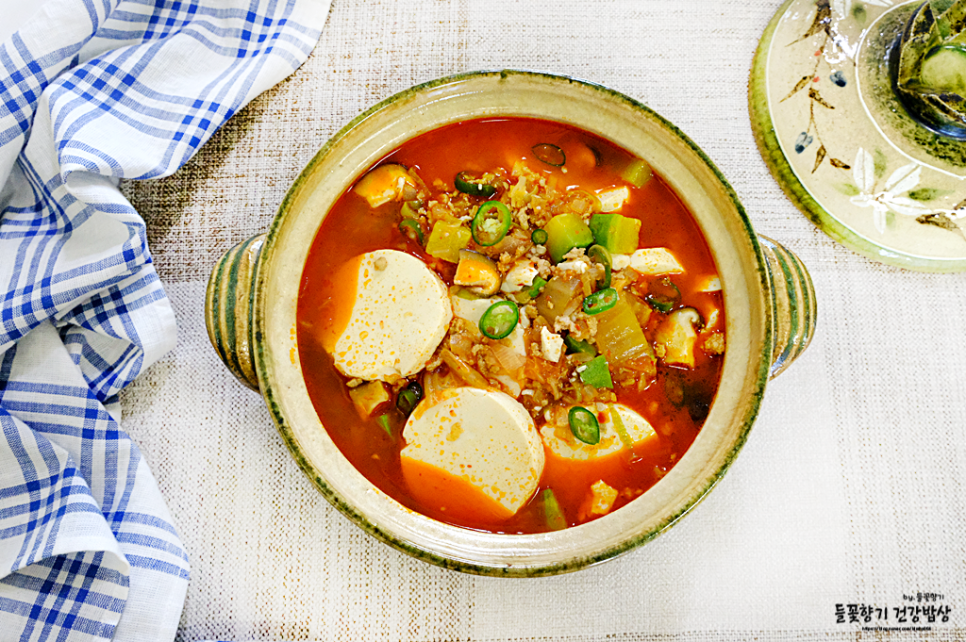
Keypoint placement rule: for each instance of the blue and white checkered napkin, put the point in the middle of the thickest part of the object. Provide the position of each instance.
(92, 91)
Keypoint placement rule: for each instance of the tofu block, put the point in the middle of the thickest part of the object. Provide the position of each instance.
(400, 313)
(561, 442)
(655, 261)
(473, 453)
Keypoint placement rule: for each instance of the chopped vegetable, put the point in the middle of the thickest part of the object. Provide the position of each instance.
(575, 346)
(599, 254)
(386, 183)
(596, 373)
(536, 287)
(491, 223)
(463, 370)
(619, 234)
(411, 228)
(663, 295)
(678, 334)
(384, 422)
(584, 425)
(539, 236)
(655, 261)
(559, 297)
(600, 301)
(549, 154)
(408, 398)
(368, 397)
(478, 273)
(564, 233)
(552, 512)
(499, 319)
(447, 239)
(619, 335)
(637, 173)
(473, 187)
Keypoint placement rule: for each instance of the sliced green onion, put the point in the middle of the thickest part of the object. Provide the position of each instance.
(596, 373)
(600, 301)
(539, 236)
(491, 223)
(473, 187)
(599, 254)
(499, 319)
(536, 287)
(408, 398)
(411, 228)
(584, 425)
(552, 512)
(549, 154)
(663, 295)
(384, 422)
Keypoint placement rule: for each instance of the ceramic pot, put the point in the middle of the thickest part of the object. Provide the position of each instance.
(769, 303)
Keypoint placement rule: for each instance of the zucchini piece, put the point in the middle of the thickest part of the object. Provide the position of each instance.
(447, 239)
(637, 173)
(564, 233)
(617, 233)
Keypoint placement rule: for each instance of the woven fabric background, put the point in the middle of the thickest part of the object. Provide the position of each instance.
(849, 490)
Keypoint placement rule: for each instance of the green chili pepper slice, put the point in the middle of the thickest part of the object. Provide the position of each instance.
(549, 154)
(491, 223)
(408, 398)
(499, 319)
(584, 425)
(600, 254)
(663, 295)
(600, 301)
(539, 237)
(415, 230)
(473, 187)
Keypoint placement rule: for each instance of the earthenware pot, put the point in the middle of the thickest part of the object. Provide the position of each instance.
(768, 296)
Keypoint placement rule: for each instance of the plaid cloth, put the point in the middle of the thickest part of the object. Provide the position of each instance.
(90, 92)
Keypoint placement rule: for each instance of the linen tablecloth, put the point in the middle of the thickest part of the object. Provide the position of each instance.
(849, 492)
(91, 93)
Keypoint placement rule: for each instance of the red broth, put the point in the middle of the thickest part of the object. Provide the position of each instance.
(352, 227)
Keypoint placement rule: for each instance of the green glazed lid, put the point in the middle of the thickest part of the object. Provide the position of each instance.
(841, 144)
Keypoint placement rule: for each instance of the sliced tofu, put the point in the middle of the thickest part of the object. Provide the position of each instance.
(472, 453)
(710, 284)
(551, 344)
(562, 443)
(400, 313)
(520, 276)
(612, 200)
(655, 261)
(620, 261)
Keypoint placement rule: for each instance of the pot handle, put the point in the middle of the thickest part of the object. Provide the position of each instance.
(229, 304)
(793, 304)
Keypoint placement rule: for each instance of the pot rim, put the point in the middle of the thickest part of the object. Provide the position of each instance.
(273, 396)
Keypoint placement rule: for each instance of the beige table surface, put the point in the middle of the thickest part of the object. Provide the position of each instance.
(850, 489)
